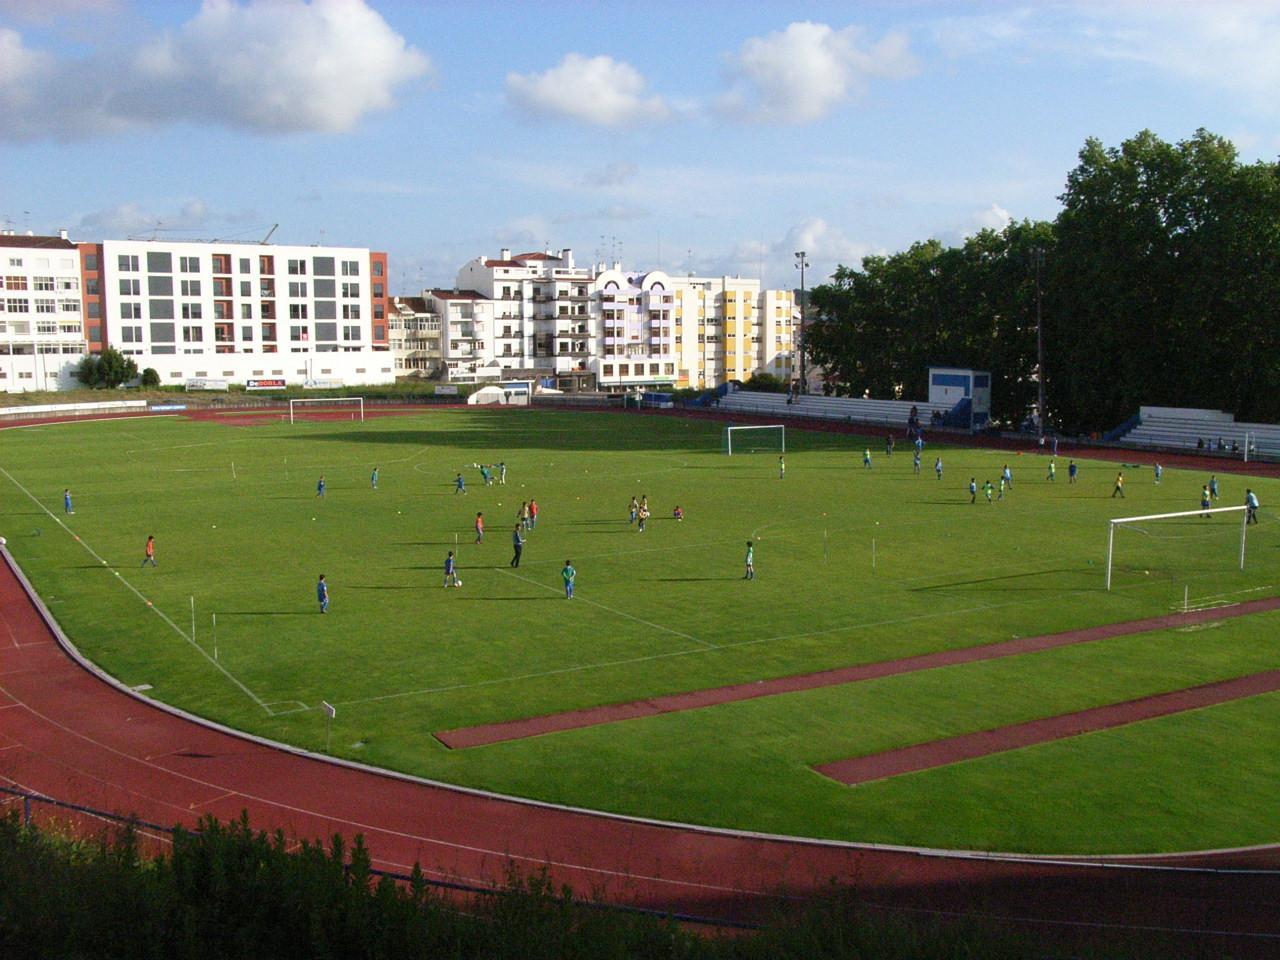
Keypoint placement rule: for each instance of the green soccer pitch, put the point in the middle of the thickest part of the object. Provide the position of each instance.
(242, 536)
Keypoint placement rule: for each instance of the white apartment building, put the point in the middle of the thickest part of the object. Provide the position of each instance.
(414, 336)
(42, 332)
(240, 312)
(539, 316)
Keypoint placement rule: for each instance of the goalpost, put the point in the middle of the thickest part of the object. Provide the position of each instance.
(1208, 514)
(355, 402)
(773, 438)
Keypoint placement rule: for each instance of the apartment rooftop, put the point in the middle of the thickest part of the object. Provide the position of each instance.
(9, 238)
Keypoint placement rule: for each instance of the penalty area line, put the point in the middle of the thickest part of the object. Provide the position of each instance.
(137, 593)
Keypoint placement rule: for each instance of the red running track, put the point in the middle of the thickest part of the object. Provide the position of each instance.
(68, 733)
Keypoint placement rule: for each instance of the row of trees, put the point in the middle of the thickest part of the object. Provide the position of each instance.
(1159, 284)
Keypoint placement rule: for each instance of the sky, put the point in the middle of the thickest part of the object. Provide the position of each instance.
(703, 136)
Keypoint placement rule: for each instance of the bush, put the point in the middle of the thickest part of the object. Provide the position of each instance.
(150, 378)
(108, 369)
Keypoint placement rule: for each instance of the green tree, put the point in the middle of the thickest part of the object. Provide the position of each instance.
(150, 377)
(107, 369)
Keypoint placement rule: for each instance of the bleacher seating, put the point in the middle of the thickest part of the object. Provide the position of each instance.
(884, 413)
(1182, 428)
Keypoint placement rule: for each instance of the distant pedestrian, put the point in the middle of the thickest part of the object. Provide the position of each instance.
(322, 594)
(1053, 472)
(502, 473)
(1118, 490)
(866, 458)
(751, 562)
(1072, 470)
(568, 574)
(479, 528)
(888, 444)
(1204, 499)
(1007, 476)
(149, 556)
(1250, 507)
(937, 467)
(66, 501)
(1159, 472)
(973, 489)
(485, 476)
(633, 509)
(533, 513)
(1055, 445)
(643, 517)
(320, 486)
(988, 489)
(678, 514)
(522, 515)
(451, 572)
(915, 463)
(782, 468)
(1213, 486)
(459, 485)
(517, 544)
(373, 478)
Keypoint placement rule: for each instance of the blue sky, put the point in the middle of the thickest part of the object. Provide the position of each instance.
(712, 136)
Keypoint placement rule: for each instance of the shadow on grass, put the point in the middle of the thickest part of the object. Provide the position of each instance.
(609, 435)
(269, 613)
(687, 579)
(360, 587)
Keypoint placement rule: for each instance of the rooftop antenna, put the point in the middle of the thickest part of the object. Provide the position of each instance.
(689, 262)
(270, 233)
(155, 232)
(26, 221)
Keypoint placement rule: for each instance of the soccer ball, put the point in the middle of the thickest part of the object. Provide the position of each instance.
(3, 541)
(458, 583)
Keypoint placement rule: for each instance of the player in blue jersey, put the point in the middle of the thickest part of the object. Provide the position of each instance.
(66, 501)
(1072, 470)
(973, 489)
(451, 572)
(937, 467)
(1213, 486)
(459, 485)
(320, 486)
(866, 458)
(517, 544)
(1159, 472)
(1007, 476)
(322, 594)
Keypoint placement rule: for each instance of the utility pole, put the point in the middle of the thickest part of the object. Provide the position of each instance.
(801, 263)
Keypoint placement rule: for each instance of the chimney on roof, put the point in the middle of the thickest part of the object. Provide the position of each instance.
(506, 254)
(31, 233)
(62, 234)
(567, 256)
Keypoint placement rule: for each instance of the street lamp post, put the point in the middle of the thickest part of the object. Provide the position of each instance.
(801, 263)
(1040, 414)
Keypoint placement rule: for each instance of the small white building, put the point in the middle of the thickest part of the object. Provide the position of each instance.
(42, 330)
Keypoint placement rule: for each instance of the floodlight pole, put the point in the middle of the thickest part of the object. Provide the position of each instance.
(801, 263)
(1040, 414)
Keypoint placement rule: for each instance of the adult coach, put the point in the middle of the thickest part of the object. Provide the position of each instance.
(1250, 507)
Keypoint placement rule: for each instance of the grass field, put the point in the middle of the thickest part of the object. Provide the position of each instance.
(240, 530)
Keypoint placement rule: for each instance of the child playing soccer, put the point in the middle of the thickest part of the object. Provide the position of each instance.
(569, 574)
(451, 572)
(751, 562)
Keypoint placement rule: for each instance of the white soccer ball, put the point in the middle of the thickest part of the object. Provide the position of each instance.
(3, 541)
(459, 583)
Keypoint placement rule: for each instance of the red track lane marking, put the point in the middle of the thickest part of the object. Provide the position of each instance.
(483, 734)
(971, 746)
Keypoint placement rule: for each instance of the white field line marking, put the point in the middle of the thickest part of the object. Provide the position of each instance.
(134, 590)
(617, 613)
(631, 661)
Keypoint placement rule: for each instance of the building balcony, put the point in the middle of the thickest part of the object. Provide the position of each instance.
(544, 298)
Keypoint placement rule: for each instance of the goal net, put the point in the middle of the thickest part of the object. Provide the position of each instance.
(771, 438)
(1175, 545)
(326, 408)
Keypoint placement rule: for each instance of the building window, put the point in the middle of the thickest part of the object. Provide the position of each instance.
(351, 333)
(246, 288)
(91, 262)
(246, 311)
(351, 289)
(19, 305)
(297, 311)
(378, 290)
(91, 287)
(299, 333)
(130, 311)
(608, 369)
(69, 306)
(297, 289)
(351, 268)
(127, 263)
(46, 306)
(190, 288)
(246, 333)
(377, 268)
(244, 265)
(15, 283)
(298, 268)
(95, 310)
(192, 311)
(351, 311)
(189, 264)
(42, 283)
(131, 288)
(268, 331)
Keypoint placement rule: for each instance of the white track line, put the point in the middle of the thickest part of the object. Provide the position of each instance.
(134, 590)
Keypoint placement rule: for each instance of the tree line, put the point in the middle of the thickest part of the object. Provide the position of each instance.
(1158, 282)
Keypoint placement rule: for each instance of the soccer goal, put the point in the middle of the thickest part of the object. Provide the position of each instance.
(770, 438)
(328, 408)
(1171, 540)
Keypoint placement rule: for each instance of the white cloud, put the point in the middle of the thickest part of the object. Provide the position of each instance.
(995, 217)
(127, 219)
(594, 90)
(613, 212)
(801, 73)
(825, 246)
(611, 175)
(272, 67)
